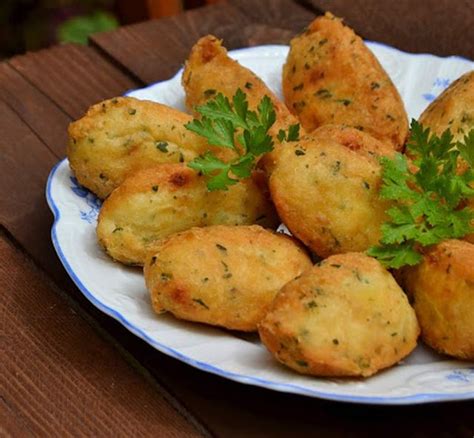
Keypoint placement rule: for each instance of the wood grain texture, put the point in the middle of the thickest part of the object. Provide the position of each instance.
(11, 423)
(258, 34)
(31, 106)
(155, 50)
(73, 76)
(58, 375)
(286, 14)
(441, 27)
(24, 162)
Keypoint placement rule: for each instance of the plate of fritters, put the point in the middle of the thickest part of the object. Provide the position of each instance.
(205, 252)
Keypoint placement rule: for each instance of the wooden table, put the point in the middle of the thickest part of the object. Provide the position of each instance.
(66, 368)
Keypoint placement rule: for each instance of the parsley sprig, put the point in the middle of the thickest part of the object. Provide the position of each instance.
(232, 125)
(429, 203)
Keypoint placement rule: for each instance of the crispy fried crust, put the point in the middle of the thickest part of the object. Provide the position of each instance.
(119, 136)
(327, 194)
(209, 70)
(355, 140)
(351, 138)
(156, 202)
(453, 109)
(442, 287)
(344, 317)
(222, 275)
(330, 76)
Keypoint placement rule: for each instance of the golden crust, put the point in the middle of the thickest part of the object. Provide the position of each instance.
(442, 286)
(119, 136)
(330, 76)
(355, 140)
(327, 194)
(222, 275)
(209, 70)
(344, 317)
(453, 108)
(156, 202)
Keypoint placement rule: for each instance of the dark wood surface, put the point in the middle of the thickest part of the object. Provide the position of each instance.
(66, 368)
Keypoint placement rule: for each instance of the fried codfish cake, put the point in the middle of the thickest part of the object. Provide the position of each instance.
(355, 140)
(209, 70)
(122, 135)
(156, 202)
(453, 109)
(326, 191)
(344, 317)
(351, 138)
(222, 275)
(330, 76)
(442, 288)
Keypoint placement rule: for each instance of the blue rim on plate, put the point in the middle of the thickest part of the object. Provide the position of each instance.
(418, 398)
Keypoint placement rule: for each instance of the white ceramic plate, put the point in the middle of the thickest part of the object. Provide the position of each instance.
(120, 291)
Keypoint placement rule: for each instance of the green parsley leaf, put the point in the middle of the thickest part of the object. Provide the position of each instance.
(218, 132)
(232, 125)
(218, 171)
(466, 148)
(395, 256)
(293, 132)
(281, 136)
(428, 204)
(292, 135)
(243, 167)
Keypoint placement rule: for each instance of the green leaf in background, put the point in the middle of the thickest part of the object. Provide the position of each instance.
(78, 29)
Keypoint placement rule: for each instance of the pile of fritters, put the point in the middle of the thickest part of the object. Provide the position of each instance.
(213, 257)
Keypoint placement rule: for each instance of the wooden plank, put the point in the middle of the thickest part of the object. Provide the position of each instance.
(24, 164)
(11, 423)
(59, 375)
(73, 76)
(441, 27)
(258, 34)
(155, 50)
(36, 110)
(286, 14)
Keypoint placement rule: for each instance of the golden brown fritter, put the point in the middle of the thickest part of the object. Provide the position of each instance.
(453, 109)
(122, 135)
(327, 194)
(222, 275)
(330, 76)
(351, 138)
(156, 202)
(442, 287)
(209, 71)
(344, 317)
